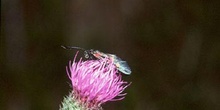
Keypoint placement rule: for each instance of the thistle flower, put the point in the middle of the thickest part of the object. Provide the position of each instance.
(93, 82)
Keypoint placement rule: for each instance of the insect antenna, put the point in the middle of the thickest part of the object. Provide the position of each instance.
(87, 53)
(70, 48)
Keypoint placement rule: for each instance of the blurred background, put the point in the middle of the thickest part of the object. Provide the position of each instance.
(172, 47)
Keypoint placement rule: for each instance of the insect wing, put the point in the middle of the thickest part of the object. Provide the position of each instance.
(99, 55)
(123, 67)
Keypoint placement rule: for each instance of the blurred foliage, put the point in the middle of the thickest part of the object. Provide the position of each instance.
(172, 47)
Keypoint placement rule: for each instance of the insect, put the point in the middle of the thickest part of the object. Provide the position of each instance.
(121, 65)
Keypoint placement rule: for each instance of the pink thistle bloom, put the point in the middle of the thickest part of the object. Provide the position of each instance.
(95, 82)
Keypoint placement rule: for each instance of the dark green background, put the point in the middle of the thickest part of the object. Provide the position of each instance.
(172, 47)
